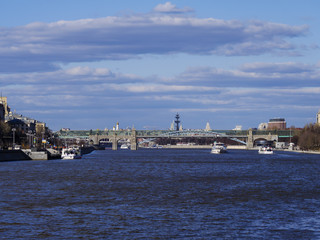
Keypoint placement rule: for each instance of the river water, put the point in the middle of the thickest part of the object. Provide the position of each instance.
(162, 194)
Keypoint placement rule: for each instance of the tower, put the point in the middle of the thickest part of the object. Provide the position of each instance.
(177, 122)
(208, 127)
(172, 126)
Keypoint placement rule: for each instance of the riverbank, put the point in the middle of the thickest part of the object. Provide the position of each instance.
(13, 155)
(199, 147)
(232, 147)
(301, 151)
(28, 154)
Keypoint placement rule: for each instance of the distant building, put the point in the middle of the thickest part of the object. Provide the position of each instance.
(238, 128)
(208, 128)
(19, 125)
(172, 126)
(40, 128)
(318, 117)
(2, 112)
(4, 103)
(21, 122)
(277, 123)
(263, 126)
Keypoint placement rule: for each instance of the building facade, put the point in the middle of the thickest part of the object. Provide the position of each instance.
(4, 103)
(263, 126)
(2, 112)
(277, 123)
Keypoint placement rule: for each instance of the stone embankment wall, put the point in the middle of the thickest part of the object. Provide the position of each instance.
(87, 150)
(203, 146)
(28, 154)
(13, 155)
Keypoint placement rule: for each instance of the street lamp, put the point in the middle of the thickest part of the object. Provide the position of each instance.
(13, 136)
(30, 138)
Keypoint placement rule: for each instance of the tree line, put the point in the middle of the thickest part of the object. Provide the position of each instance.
(309, 137)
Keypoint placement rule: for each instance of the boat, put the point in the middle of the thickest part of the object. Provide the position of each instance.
(124, 146)
(265, 150)
(218, 148)
(70, 153)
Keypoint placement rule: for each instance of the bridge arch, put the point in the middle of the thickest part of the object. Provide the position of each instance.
(114, 137)
(260, 142)
(253, 137)
(104, 140)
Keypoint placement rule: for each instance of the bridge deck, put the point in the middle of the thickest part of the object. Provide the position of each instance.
(85, 134)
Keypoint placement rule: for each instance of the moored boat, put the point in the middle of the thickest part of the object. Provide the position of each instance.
(70, 153)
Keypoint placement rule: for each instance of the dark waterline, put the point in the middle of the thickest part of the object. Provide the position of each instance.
(162, 194)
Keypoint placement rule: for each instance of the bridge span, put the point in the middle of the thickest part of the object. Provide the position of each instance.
(244, 137)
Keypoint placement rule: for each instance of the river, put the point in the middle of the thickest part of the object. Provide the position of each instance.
(162, 194)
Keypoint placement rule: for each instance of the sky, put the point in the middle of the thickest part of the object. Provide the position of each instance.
(88, 64)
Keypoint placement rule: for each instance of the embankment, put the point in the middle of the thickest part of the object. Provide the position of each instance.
(87, 150)
(202, 146)
(13, 155)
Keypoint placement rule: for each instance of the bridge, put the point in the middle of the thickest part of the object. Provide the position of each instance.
(244, 137)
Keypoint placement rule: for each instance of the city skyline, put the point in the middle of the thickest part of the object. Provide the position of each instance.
(89, 64)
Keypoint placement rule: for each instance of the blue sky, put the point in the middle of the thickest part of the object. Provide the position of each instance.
(89, 64)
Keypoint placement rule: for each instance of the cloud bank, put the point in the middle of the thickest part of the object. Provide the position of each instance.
(248, 89)
(42, 46)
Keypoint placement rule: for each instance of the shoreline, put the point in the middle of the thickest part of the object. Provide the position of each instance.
(196, 147)
(301, 151)
(231, 147)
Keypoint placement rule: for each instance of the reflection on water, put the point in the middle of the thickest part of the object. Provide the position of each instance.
(162, 194)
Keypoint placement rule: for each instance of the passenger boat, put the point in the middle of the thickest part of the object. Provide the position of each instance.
(218, 148)
(70, 153)
(265, 150)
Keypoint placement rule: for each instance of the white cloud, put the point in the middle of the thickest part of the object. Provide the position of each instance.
(95, 91)
(168, 7)
(40, 46)
(86, 71)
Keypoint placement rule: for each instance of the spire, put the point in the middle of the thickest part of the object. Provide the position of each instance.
(208, 127)
(172, 126)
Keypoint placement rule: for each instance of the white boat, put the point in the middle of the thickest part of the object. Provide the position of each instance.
(70, 153)
(265, 150)
(124, 146)
(218, 148)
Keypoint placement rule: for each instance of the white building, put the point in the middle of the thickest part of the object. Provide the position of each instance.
(238, 128)
(208, 128)
(172, 126)
(263, 126)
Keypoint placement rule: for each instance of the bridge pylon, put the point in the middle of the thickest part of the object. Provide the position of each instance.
(250, 139)
(133, 140)
(114, 141)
